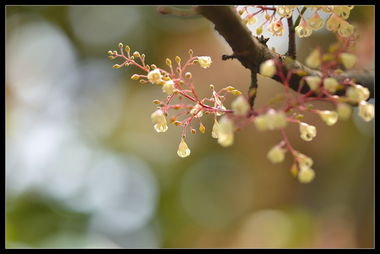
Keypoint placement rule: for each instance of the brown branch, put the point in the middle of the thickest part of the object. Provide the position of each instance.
(185, 13)
(251, 52)
(292, 39)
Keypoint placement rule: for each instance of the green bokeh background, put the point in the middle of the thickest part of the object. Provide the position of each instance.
(85, 169)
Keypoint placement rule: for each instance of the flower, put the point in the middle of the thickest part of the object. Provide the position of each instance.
(240, 106)
(366, 111)
(329, 117)
(303, 29)
(197, 108)
(357, 93)
(315, 21)
(345, 29)
(343, 10)
(306, 175)
(250, 20)
(348, 60)
(268, 68)
(313, 82)
(308, 132)
(330, 84)
(276, 28)
(285, 10)
(155, 77)
(204, 61)
(168, 87)
(276, 154)
(344, 110)
(271, 120)
(159, 120)
(276, 119)
(215, 127)
(304, 161)
(333, 23)
(183, 151)
(225, 131)
(314, 59)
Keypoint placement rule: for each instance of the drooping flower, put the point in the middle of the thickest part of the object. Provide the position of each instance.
(313, 82)
(345, 29)
(315, 22)
(366, 111)
(276, 28)
(333, 23)
(357, 93)
(240, 106)
(159, 120)
(344, 110)
(314, 59)
(276, 154)
(268, 68)
(285, 10)
(215, 127)
(304, 161)
(183, 150)
(204, 61)
(306, 175)
(276, 119)
(155, 77)
(329, 117)
(303, 29)
(348, 60)
(308, 132)
(225, 131)
(271, 120)
(330, 84)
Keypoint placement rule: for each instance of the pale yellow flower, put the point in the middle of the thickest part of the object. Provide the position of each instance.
(308, 132)
(168, 87)
(357, 93)
(348, 60)
(225, 131)
(276, 154)
(330, 84)
(276, 28)
(315, 22)
(155, 76)
(314, 59)
(333, 23)
(268, 68)
(344, 110)
(204, 61)
(240, 106)
(159, 120)
(303, 29)
(313, 82)
(306, 175)
(329, 117)
(366, 111)
(183, 150)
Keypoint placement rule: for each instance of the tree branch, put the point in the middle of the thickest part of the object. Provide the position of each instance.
(251, 52)
(292, 39)
(185, 13)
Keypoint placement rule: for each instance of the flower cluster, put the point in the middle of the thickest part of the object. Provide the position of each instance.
(274, 16)
(182, 107)
(177, 85)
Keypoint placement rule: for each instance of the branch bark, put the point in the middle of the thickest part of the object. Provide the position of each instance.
(251, 52)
